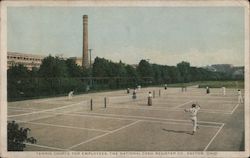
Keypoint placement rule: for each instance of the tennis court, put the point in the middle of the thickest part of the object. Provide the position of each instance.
(113, 121)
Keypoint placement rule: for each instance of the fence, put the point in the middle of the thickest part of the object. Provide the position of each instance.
(29, 88)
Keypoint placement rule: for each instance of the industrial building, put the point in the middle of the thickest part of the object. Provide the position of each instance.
(28, 60)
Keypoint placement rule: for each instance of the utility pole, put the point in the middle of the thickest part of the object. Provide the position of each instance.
(90, 66)
(90, 51)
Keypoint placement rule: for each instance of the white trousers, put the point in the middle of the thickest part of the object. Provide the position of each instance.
(240, 99)
(70, 96)
(194, 121)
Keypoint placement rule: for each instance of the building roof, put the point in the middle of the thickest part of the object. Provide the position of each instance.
(24, 55)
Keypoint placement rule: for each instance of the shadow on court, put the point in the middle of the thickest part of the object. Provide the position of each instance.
(176, 131)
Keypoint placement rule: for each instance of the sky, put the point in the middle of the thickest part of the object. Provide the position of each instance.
(164, 35)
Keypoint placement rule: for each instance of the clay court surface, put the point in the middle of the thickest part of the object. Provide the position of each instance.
(130, 125)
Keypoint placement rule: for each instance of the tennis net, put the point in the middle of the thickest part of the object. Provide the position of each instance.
(126, 99)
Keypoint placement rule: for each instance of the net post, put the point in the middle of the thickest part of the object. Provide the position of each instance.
(91, 104)
(159, 92)
(105, 102)
(153, 93)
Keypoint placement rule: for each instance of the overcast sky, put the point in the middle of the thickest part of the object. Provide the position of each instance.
(165, 35)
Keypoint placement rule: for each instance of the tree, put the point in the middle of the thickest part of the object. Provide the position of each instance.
(184, 69)
(165, 74)
(18, 80)
(17, 137)
(144, 69)
(157, 73)
(34, 72)
(18, 71)
(73, 69)
(100, 67)
(131, 71)
(117, 69)
(53, 67)
(174, 74)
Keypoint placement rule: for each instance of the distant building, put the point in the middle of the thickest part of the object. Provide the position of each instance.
(28, 60)
(222, 67)
(210, 68)
(31, 60)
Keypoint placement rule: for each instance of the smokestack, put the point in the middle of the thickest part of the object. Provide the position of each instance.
(85, 61)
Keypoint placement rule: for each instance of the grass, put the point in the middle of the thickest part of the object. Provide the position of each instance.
(211, 84)
(219, 84)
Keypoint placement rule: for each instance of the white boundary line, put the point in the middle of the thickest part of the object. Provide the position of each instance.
(236, 106)
(136, 107)
(78, 114)
(46, 100)
(18, 108)
(26, 110)
(44, 146)
(62, 126)
(174, 109)
(41, 111)
(183, 104)
(97, 137)
(214, 137)
(204, 98)
(154, 121)
(60, 103)
(143, 117)
(164, 100)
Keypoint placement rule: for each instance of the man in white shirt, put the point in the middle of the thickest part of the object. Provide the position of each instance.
(70, 95)
(240, 99)
(224, 90)
(139, 87)
(193, 115)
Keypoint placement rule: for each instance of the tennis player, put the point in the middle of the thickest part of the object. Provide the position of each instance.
(134, 94)
(224, 90)
(150, 99)
(208, 90)
(165, 86)
(128, 90)
(70, 95)
(193, 115)
(240, 99)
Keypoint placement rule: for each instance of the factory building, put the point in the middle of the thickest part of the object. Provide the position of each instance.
(28, 60)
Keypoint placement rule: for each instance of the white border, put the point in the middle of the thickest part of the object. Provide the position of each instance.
(118, 3)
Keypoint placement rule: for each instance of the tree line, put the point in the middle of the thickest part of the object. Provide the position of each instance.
(57, 76)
